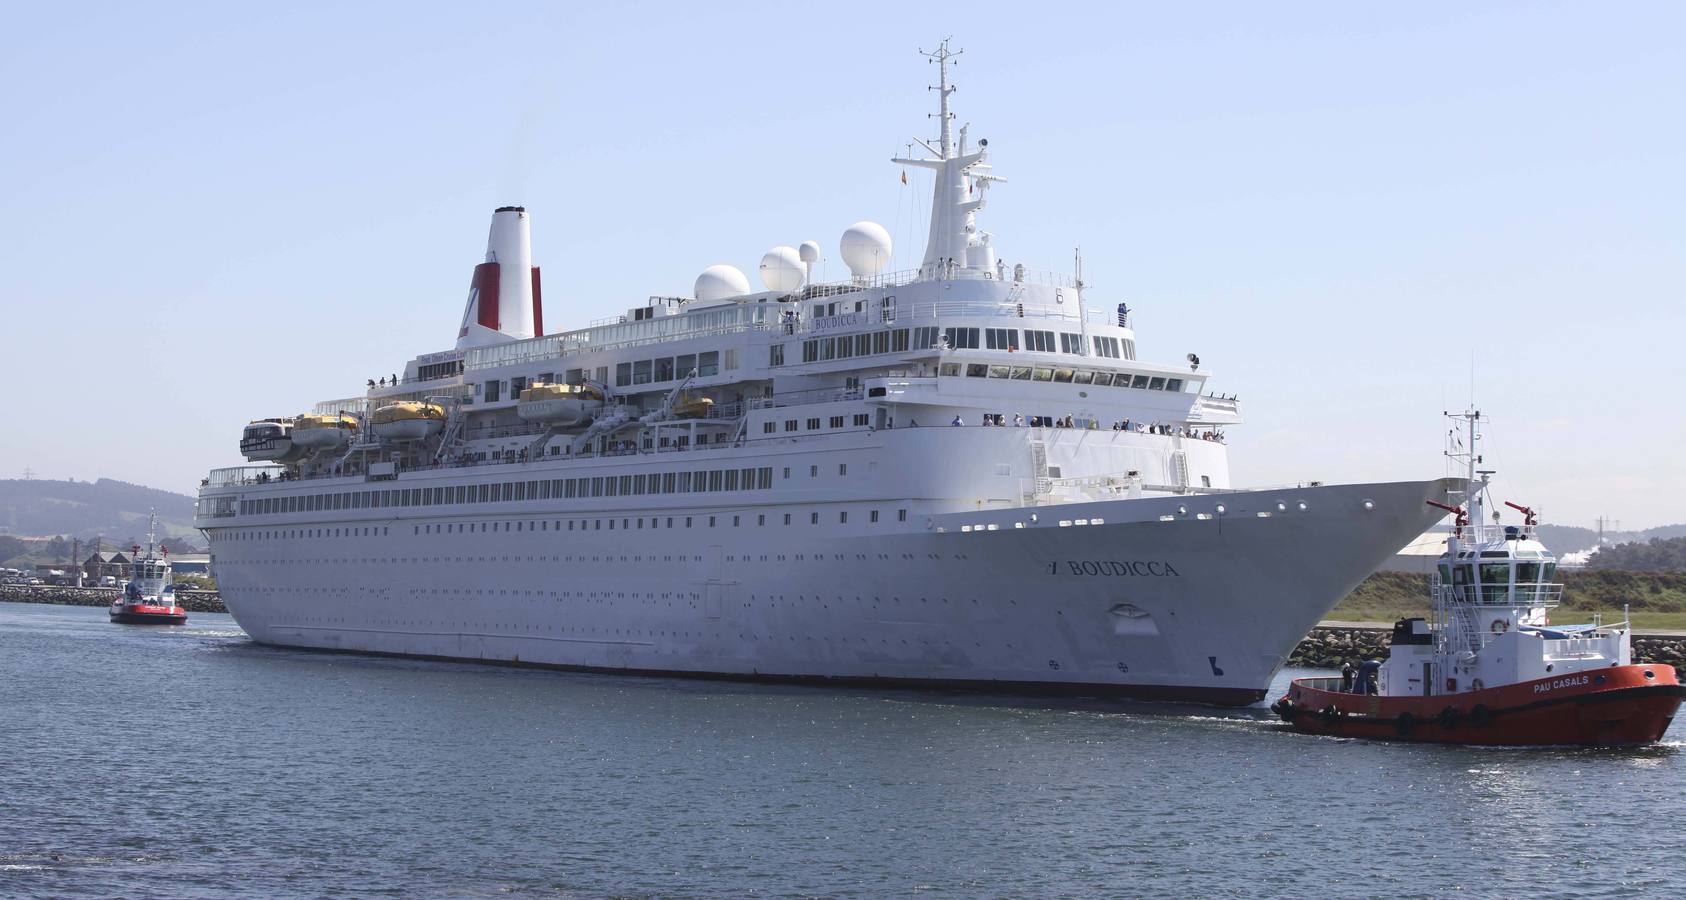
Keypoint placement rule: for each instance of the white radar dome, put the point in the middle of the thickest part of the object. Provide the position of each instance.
(782, 270)
(721, 282)
(866, 249)
(809, 251)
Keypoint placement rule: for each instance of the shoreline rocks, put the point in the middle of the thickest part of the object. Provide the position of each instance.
(192, 601)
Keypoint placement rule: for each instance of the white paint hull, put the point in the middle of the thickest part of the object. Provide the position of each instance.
(1018, 608)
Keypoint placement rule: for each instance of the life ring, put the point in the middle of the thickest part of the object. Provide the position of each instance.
(1500, 626)
(1476, 685)
(1480, 715)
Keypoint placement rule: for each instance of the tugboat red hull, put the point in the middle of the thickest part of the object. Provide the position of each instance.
(148, 615)
(1618, 706)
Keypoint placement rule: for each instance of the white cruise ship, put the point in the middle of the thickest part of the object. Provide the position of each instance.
(956, 476)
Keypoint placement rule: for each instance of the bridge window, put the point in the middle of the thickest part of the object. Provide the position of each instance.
(961, 338)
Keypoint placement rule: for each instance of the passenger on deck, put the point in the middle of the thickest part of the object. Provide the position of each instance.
(1018, 420)
(957, 421)
(1347, 675)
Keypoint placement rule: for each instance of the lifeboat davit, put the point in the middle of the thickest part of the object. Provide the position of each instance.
(560, 404)
(407, 420)
(269, 440)
(691, 406)
(324, 432)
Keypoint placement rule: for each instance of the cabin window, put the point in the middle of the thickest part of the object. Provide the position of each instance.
(775, 355)
(684, 363)
(642, 371)
(493, 391)
(881, 342)
(950, 370)
(898, 340)
(977, 370)
(1175, 385)
(1039, 341)
(708, 363)
(1082, 377)
(1106, 346)
(1157, 384)
(836, 421)
(1042, 374)
(1001, 338)
(1140, 382)
(1063, 376)
(1071, 343)
(1103, 378)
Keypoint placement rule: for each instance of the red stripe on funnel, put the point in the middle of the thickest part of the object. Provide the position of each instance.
(486, 288)
(538, 305)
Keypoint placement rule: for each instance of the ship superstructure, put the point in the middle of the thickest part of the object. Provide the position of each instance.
(960, 474)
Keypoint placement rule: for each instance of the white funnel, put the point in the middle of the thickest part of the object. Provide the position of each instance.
(503, 299)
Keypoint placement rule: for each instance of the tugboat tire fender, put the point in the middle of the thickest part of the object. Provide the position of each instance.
(1480, 715)
(1405, 724)
(1449, 718)
(1329, 714)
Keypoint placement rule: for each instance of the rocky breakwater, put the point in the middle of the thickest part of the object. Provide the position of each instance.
(192, 601)
(1330, 648)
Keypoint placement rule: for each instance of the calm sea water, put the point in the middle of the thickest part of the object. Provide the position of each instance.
(190, 762)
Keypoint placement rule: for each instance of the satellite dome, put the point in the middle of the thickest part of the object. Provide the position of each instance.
(866, 249)
(782, 270)
(809, 251)
(721, 282)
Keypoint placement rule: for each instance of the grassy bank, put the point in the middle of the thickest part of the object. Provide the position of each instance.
(1656, 599)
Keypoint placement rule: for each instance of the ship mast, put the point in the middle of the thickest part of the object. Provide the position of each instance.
(962, 178)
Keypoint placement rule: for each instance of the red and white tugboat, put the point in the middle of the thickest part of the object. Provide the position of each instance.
(150, 596)
(1490, 668)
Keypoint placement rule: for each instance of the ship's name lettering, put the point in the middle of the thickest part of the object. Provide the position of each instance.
(1116, 568)
(1577, 681)
(843, 320)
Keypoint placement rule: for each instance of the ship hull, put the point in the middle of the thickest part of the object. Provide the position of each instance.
(1145, 598)
(1619, 706)
(129, 617)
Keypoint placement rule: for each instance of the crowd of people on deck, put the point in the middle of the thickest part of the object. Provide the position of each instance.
(999, 420)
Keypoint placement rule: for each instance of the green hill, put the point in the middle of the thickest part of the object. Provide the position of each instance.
(115, 510)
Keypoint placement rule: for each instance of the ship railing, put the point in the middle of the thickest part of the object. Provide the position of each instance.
(1488, 534)
(1498, 596)
(243, 475)
(356, 406)
(1006, 275)
(805, 398)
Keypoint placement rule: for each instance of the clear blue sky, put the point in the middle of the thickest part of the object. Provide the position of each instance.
(211, 214)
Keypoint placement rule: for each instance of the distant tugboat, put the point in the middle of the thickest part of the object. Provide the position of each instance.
(150, 596)
(1490, 668)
